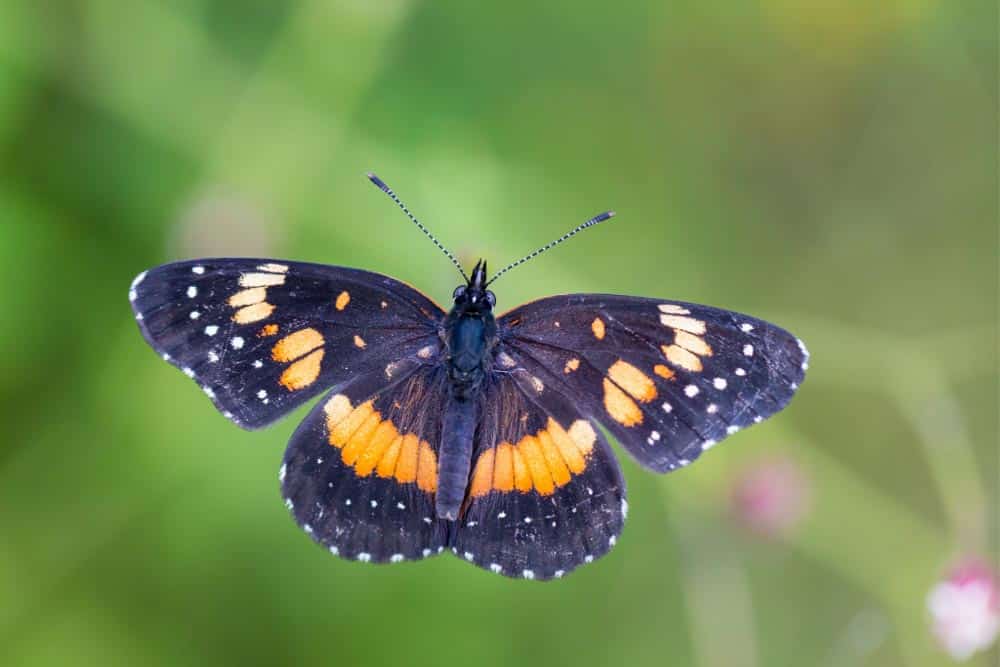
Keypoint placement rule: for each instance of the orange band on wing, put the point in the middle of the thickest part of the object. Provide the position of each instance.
(368, 443)
(543, 461)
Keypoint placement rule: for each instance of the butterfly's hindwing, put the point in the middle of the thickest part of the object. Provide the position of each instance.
(668, 379)
(261, 337)
(545, 493)
(360, 473)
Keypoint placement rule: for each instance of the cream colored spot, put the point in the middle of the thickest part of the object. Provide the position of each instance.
(505, 360)
(261, 279)
(682, 358)
(582, 433)
(303, 372)
(425, 352)
(247, 297)
(343, 299)
(632, 380)
(384, 305)
(683, 323)
(571, 365)
(254, 313)
(273, 268)
(693, 343)
(359, 342)
(597, 326)
(673, 309)
(537, 384)
(296, 345)
(618, 404)
(337, 409)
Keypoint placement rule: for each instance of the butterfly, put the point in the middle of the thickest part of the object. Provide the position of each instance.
(460, 429)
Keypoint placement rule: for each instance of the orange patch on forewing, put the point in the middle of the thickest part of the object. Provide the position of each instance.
(663, 371)
(248, 297)
(683, 323)
(268, 330)
(553, 459)
(303, 372)
(597, 326)
(482, 475)
(406, 466)
(359, 342)
(387, 464)
(620, 406)
(693, 343)
(632, 380)
(571, 365)
(343, 299)
(503, 467)
(296, 345)
(255, 313)
(380, 441)
(358, 442)
(682, 358)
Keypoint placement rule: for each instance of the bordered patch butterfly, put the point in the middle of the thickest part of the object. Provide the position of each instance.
(461, 430)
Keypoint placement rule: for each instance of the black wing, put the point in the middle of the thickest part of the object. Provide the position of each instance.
(360, 473)
(261, 337)
(668, 379)
(546, 493)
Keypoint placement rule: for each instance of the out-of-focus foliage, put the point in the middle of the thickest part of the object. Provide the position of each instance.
(831, 169)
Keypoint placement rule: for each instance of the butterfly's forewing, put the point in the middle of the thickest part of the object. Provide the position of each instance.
(261, 337)
(360, 473)
(546, 493)
(668, 379)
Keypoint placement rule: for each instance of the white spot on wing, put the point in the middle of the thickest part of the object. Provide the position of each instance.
(282, 472)
(188, 372)
(707, 445)
(733, 428)
(192, 292)
(691, 391)
(194, 315)
(741, 372)
(237, 343)
(396, 558)
(720, 383)
(258, 363)
(262, 394)
(668, 408)
(495, 567)
(712, 408)
(198, 269)
(746, 327)
(364, 557)
(528, 574)
(748, 350)
(142, 276)
(212, 357)
(211, 330)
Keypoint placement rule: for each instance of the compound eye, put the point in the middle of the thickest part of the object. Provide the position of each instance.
(459, 292)
(491, 298)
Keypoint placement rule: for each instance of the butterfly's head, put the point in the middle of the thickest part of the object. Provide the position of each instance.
(473, 296)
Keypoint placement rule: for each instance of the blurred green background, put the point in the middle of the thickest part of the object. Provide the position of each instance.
(832, 168)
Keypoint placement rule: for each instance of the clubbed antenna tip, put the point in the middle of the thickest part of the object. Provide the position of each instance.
(381, 185)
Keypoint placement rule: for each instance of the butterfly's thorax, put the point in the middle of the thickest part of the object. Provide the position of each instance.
(469, 338)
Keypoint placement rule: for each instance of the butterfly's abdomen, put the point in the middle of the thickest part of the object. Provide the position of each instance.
(455, 456)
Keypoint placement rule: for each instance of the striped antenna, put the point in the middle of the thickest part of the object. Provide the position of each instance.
(380, 184)
(573, 232)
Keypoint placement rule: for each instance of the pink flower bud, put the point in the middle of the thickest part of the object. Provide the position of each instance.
(965, 609)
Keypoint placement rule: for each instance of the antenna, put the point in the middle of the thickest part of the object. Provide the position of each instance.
(573, 232)
(380, 184)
